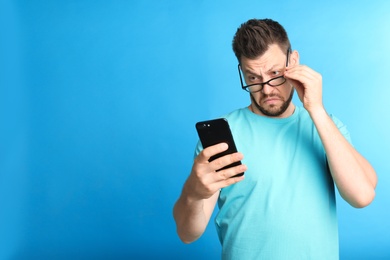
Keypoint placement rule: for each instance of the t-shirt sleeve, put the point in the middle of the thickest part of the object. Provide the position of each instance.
(198, 149)
(342, 128)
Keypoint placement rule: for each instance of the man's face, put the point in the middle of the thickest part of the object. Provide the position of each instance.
(270, 101)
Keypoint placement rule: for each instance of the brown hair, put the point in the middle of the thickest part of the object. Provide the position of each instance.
(254, 37)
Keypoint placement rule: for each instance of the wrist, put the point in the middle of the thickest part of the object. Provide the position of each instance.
(189, 195)
(316, 111)
(319, 116)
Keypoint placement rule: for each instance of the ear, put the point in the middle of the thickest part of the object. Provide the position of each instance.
(294, 58)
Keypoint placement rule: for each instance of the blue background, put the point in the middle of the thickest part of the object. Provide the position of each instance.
(98, 101)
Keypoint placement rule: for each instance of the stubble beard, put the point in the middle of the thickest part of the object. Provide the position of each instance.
(273, 111)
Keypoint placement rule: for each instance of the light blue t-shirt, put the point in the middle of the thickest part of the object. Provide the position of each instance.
(285, 207)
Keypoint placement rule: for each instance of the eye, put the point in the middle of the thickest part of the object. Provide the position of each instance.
(253, 78)
(275, 73)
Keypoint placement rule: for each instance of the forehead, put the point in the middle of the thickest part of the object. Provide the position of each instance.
(273, 57)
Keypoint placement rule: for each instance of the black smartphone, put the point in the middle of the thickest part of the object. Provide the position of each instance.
(217, 131)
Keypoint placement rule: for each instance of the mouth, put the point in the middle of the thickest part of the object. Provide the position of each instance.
(272, 100)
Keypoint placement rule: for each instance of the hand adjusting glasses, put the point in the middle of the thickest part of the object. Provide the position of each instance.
(256, 87)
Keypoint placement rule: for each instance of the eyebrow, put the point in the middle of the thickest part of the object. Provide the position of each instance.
(273, 68)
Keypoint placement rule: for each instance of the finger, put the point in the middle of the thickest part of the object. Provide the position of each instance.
(300, 75)
(210, 151)
(229, 181)
(231, 172)
(303, 79)
(301, 68)
(296, 84)
(302, 71)
(226, 160)
(208, 182)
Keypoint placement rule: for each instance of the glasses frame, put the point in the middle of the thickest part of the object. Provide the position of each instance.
(246, 87)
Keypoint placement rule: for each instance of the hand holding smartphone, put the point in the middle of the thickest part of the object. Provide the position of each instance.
(212, 132)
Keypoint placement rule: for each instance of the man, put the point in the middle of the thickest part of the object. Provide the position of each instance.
(284, 206)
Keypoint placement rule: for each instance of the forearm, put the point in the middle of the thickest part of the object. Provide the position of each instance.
(200, 193)
(192, 215)
(190, 218)
(352, 173)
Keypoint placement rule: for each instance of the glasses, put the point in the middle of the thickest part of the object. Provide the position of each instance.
(256, 87)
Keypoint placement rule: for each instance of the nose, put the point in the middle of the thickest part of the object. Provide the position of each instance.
(267, 89)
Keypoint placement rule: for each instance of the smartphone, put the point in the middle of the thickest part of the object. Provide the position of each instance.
(217, 131)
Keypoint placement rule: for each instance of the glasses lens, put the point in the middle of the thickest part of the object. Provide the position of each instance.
(277, 81)
(258, 87)
(254, 88)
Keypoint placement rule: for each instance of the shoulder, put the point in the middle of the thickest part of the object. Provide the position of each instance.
(304, 115)
(237, 116)
(238, 113)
